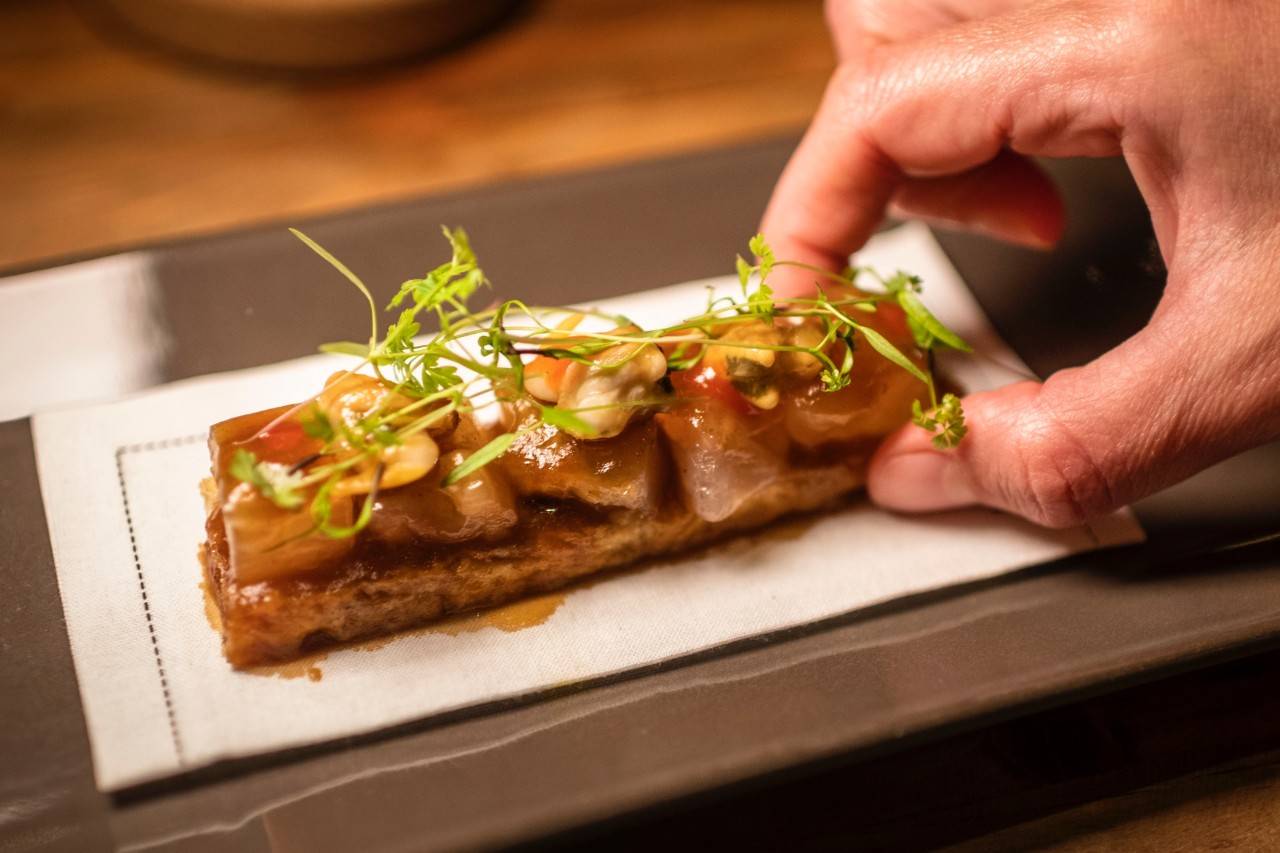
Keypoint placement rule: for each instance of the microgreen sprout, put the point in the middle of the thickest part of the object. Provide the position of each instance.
(945, 421)
(477, 358)
(276, 482)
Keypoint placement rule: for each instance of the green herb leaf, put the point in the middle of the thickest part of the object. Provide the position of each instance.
(834, 380)
(881, 344)
(482, 457)
(461, 245)
(322, 510)
(565, 420)
(434, 377)
(760, 302)
(761, 249)
(400, 335)
(946, 421)
(744, 272)
(316, 424)
(452, 282)
(925, 326)
(273, 481)
(378, 431)
(900, 281)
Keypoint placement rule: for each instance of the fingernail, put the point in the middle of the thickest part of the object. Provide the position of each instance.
(921, 481)
(1020, 229)
(1042, 234)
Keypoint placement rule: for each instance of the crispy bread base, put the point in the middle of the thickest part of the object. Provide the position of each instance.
(265, 623)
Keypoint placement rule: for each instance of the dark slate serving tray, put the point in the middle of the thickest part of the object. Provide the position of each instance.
(885, 679)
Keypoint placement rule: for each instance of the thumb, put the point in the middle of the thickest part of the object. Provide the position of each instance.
(1017, 456)
(1084, 443)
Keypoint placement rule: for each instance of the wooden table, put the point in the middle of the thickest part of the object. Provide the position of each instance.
(105, 142)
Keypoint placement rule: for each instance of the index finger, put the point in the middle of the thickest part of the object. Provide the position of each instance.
(940, 105)
(855, 24)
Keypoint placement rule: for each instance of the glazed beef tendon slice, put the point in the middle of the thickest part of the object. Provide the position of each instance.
(397, 496)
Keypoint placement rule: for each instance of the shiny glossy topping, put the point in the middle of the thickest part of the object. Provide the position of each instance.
(567, 396)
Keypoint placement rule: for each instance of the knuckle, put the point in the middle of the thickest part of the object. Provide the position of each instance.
(852, 76)
(1147, 32)
(842, 14)
(855, 85)
(1060, 483)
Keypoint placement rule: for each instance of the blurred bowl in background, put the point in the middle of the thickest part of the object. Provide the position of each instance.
(309, 35)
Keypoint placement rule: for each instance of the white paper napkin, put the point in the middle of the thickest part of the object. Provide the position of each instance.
(120, 490)
(111, 303)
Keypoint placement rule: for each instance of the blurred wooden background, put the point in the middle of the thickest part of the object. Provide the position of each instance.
(106, 141)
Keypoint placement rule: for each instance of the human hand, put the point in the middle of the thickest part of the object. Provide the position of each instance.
(932, 112)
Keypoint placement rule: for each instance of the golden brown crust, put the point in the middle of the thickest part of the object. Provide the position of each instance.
(265, 623)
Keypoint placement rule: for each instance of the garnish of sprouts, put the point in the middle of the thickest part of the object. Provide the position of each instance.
(477, 358)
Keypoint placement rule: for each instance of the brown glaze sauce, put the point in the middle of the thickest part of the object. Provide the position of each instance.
(212, 614)
(516, 616)
(302, 668)
(370, 559)
(509, 618)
